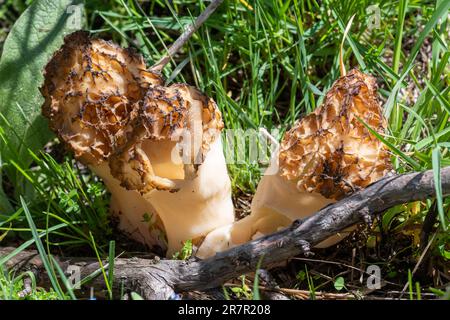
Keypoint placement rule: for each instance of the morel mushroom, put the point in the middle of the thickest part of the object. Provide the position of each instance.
(326, 156)
(158, 149)
(174, 158)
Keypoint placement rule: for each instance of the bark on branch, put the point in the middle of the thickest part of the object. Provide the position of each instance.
(159, 279)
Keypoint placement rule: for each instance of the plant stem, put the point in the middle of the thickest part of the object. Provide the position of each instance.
(186, 35)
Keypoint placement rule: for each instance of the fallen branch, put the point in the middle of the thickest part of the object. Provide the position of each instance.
(155, 279)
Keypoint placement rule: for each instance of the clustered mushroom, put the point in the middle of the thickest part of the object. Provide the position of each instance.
(326, 156)
(159, 151)
(157, 148)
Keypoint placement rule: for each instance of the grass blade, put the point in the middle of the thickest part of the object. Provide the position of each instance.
(42, 253)
(111, 256)
(105, 276)
(63, 277)
(402, 6)
(436, 161)
(256, 295)
(393, 148)
(28, 243)
(440, 11)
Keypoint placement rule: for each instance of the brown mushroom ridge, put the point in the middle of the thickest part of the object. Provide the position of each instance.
(330, 151)
(167, 115)
(326, 156)
(135, 134)
(92, 91)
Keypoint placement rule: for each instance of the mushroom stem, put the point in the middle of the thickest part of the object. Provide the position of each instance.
(136, 216)
(326, 156)
(277, 203)
(118, 118)
(199, 206)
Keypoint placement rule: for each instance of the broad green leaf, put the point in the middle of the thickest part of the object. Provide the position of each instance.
(33, 39)
(5, 205)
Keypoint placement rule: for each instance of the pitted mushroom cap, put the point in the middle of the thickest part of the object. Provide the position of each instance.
(105, 105)
(92, 91)
(330, 151)
(167, 110)
(179, 113)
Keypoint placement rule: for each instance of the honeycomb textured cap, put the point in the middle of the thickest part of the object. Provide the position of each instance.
(168, 113)
(103, 103)
(92, 91)
(330, 151)
(167, 110)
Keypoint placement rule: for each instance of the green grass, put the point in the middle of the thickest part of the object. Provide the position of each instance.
(266, 65)
(12, 287)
